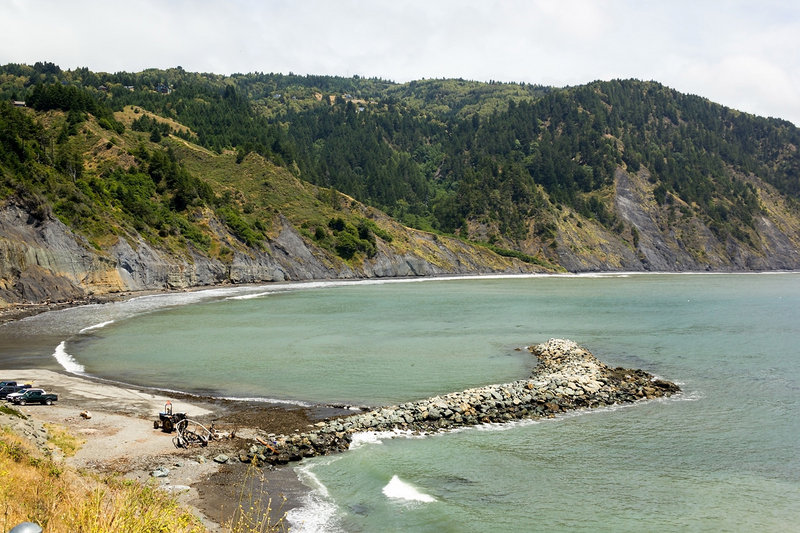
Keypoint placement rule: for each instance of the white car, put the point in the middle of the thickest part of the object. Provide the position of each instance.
(13, 395)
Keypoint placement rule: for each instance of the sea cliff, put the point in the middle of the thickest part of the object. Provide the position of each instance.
(42, 260)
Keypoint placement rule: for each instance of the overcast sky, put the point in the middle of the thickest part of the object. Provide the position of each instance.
(743, 54)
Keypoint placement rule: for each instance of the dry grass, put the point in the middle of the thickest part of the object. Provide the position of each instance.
(63, 439)
(33, 488)
(131, 113)
(36, 489)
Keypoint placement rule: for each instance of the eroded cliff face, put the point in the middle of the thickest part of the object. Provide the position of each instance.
(43, 260)
(669, 240)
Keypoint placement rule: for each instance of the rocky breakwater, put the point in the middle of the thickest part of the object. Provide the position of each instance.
(567, 377)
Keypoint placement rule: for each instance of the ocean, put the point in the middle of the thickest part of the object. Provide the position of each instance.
(721, 456)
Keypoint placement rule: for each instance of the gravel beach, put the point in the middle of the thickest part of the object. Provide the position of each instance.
(120, 438)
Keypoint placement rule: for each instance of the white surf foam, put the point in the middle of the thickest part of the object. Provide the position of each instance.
(397, 489)
(96, 326)
(249, 296)
(266, 290)
(261, 399)
(367, 437)
(66, 360)
(317, 513)
(377, 437)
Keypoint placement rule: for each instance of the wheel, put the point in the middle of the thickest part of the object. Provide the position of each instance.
(48, 402)
(168, 425)
(156, 424)
(22, 402)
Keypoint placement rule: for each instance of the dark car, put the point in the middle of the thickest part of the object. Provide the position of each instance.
(10, 389)
(7, 383)
(35, 396)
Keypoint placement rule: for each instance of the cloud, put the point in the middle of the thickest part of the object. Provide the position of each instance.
(755, 83)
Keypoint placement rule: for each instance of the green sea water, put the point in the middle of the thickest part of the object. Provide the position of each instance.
(722, 456)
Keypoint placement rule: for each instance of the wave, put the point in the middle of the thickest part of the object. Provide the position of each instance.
(316, 515)
(96, 326)
(261, 399)
(66, 360)
(364, 438)
(249, 296)
(317, 512)
(687, 396)
(397, 489)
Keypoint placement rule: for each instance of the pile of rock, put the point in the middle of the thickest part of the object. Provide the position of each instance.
(567, 377)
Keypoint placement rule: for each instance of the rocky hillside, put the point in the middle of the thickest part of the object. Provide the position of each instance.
(171, 179)
(672, 237)
(42, 260)
(62, 239)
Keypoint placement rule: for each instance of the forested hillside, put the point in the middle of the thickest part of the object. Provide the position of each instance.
(620, 174)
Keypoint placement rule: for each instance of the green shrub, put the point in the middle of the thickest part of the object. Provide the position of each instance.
(347, 245)
(240, 228)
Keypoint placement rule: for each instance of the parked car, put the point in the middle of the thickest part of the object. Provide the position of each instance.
(35, 396)
(20, 392)
(7, 383)
(10, 389)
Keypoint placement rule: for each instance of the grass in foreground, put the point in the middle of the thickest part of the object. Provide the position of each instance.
(59, 499)
(11, 411)
(36, 489)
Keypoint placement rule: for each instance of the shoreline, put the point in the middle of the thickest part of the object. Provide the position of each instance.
(119, 438)
(17, 311)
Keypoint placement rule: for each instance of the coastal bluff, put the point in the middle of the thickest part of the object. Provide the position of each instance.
(567, 377)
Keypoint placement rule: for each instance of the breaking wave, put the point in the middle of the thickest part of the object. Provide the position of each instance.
(66, 360)
(96, 326)
(397, 489)
(318, 512)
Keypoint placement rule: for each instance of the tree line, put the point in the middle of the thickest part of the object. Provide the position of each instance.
(437, 154)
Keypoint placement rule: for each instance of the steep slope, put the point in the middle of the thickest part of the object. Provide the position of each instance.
(259, 222)
(673, 238)
(167, 178)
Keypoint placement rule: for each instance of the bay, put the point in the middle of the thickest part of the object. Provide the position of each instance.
(722, 456)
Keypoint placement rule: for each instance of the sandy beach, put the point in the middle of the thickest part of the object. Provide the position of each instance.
(120, 438)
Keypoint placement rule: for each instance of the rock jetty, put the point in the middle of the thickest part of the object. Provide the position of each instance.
(567, 377)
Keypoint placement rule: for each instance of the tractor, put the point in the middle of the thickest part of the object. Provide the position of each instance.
(167, 420)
